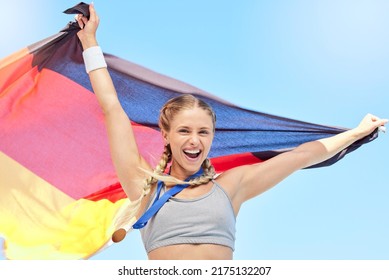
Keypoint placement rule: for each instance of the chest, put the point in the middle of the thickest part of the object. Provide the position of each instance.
(194, 192)
(211, 207)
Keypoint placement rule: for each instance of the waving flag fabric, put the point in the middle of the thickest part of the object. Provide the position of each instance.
(59, 195)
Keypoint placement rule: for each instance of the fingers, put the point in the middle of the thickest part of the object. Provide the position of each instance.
(377, 122)
(87, 34)
(81, 20)
(369, 123)
(383, 122)
(84, 20)
(375, 119)
(92, 12)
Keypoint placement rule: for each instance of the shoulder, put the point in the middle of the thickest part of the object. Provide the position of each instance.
(231, 178)
(146, 200)
(247, 181)
(230, 181)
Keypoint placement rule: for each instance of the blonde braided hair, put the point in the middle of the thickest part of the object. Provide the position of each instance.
(168, 111)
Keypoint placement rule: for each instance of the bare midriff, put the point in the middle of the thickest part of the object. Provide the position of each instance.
(191, 252)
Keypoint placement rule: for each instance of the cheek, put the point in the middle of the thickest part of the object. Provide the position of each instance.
(175, 146)
(176, 142)
(208, 144)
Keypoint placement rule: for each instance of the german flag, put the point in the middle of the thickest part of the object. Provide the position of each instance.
(59, 195)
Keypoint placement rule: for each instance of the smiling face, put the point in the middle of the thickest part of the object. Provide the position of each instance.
(190, 138)
(188, 126)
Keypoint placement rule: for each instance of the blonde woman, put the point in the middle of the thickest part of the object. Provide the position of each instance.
(199, 221)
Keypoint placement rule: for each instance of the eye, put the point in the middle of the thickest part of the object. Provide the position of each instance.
(204, 132)
(183, 130)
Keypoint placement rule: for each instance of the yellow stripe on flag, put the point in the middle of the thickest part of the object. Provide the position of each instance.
(38, 221)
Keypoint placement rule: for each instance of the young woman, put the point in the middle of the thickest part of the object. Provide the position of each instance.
(199, 221)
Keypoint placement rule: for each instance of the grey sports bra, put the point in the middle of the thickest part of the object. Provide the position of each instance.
(208, 219)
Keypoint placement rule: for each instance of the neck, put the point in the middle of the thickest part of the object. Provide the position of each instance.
(180, 173)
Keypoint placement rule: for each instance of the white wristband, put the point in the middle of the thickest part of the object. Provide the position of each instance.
(93, 59)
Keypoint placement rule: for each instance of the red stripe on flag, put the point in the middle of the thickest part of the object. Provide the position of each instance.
(112, 193)
(227, 162)
(55, 128)
(115, 192)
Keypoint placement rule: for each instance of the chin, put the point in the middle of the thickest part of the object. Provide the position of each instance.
(191, 168)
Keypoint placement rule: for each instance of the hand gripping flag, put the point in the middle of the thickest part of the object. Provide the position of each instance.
(59, 195)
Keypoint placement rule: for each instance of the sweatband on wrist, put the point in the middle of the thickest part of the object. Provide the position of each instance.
(93, 59)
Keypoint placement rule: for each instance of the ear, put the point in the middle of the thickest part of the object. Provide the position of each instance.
(165, 138)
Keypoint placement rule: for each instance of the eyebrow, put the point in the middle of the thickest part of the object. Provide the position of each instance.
(188, 127)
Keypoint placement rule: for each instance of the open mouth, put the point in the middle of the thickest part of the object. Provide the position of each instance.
(192, 153)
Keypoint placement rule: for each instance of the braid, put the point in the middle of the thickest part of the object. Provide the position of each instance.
(209, 173)
(165, 159)
(160, 168)
(167, 114)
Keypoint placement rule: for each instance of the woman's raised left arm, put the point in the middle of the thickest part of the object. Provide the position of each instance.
(249, 181)
(333, 145)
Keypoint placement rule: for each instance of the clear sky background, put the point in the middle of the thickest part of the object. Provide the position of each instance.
(325, 62)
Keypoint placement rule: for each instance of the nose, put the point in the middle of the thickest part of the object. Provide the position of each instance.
(194, 139)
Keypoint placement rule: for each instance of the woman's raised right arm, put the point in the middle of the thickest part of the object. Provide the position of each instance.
(124, 150)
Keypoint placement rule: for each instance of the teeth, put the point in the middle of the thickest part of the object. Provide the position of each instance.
(192, 151)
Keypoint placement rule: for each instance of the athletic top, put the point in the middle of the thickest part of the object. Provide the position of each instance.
(208, 219)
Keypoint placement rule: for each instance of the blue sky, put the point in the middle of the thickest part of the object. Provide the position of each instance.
(325, 62)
